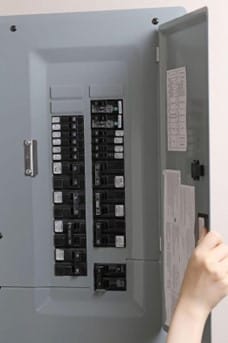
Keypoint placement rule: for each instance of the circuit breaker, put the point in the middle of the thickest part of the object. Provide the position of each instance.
(85, 142)
(107, 121)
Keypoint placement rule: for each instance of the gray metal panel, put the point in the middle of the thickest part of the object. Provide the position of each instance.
(56, 315)
(184, 42)
(67, 91)
(49, 54)
(49, 50)
(106, 90)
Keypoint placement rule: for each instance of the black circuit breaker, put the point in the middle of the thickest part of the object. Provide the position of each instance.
(69, 195)
(110, 277)
(108, 173)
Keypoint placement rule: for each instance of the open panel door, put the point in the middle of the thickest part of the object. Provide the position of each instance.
(184, 139)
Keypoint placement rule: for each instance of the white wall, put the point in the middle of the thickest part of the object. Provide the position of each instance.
(218, 99)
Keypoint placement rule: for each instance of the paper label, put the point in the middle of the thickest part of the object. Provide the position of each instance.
(118, 155)
(56, 149)
(58, 226)
(57, 168)
(118, 140)
(57, 157)
(119, 148)
(56, 127)
(179, 240)
(119, 133)
(119, 210)
(177, 109)
(56, 141)
(59, 255)
(119, 241)
(55, 120)
(58, 197)
(119, 181)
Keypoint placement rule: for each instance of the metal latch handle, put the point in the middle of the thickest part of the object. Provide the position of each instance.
(30, 157)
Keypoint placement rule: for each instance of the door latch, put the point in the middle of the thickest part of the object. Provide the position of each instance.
(197, 170)
(30, 157)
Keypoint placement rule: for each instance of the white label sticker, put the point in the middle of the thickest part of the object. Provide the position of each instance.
(118, 140)
(120, 107)
(118, 155)
(58, 197)
(58, 226)
(119, 121)
(56, 127)
(177, 109)
(55, 120)
(119, 181)
(119, 241)
(56, 141)
(119, 148)
(119, 210)
(59, 255)
(56, 149)
(57, 168)
(56, 134)
(178, 235)
(57, 157)
(119, 133)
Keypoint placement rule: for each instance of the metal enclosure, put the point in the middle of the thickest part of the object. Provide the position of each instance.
(103, 55)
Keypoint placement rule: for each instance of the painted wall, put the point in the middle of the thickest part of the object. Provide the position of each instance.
(218, 40)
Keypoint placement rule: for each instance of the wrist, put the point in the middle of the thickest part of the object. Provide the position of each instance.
(187, 323)
(193, 311)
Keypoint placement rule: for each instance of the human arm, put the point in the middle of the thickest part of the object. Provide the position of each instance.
(205, 284)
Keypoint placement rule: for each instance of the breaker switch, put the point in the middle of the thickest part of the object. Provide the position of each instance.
(110, 277)
(69, 195)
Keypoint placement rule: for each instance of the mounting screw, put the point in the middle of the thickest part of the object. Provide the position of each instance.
(13, 28)
(155, 21)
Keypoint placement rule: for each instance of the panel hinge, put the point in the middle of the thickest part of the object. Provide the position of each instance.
(157, 52)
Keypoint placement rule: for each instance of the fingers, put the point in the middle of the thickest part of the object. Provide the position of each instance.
(220, 252)
(224, 265)
(211, 240)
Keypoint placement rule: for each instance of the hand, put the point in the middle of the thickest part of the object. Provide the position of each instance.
(206, 278)
(205, 284)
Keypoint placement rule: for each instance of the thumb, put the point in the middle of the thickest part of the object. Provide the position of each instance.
(202, 233)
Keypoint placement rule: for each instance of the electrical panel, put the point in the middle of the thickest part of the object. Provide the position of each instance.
(81, 224)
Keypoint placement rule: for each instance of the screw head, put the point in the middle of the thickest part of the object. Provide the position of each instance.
(13, 28)
(155, 21)
(28, 172)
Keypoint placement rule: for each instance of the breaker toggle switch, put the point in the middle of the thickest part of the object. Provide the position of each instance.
(74, 240)
(109, 233)
(69, 195)
(110, 277)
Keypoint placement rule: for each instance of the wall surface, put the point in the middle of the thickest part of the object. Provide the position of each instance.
(218, 38)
